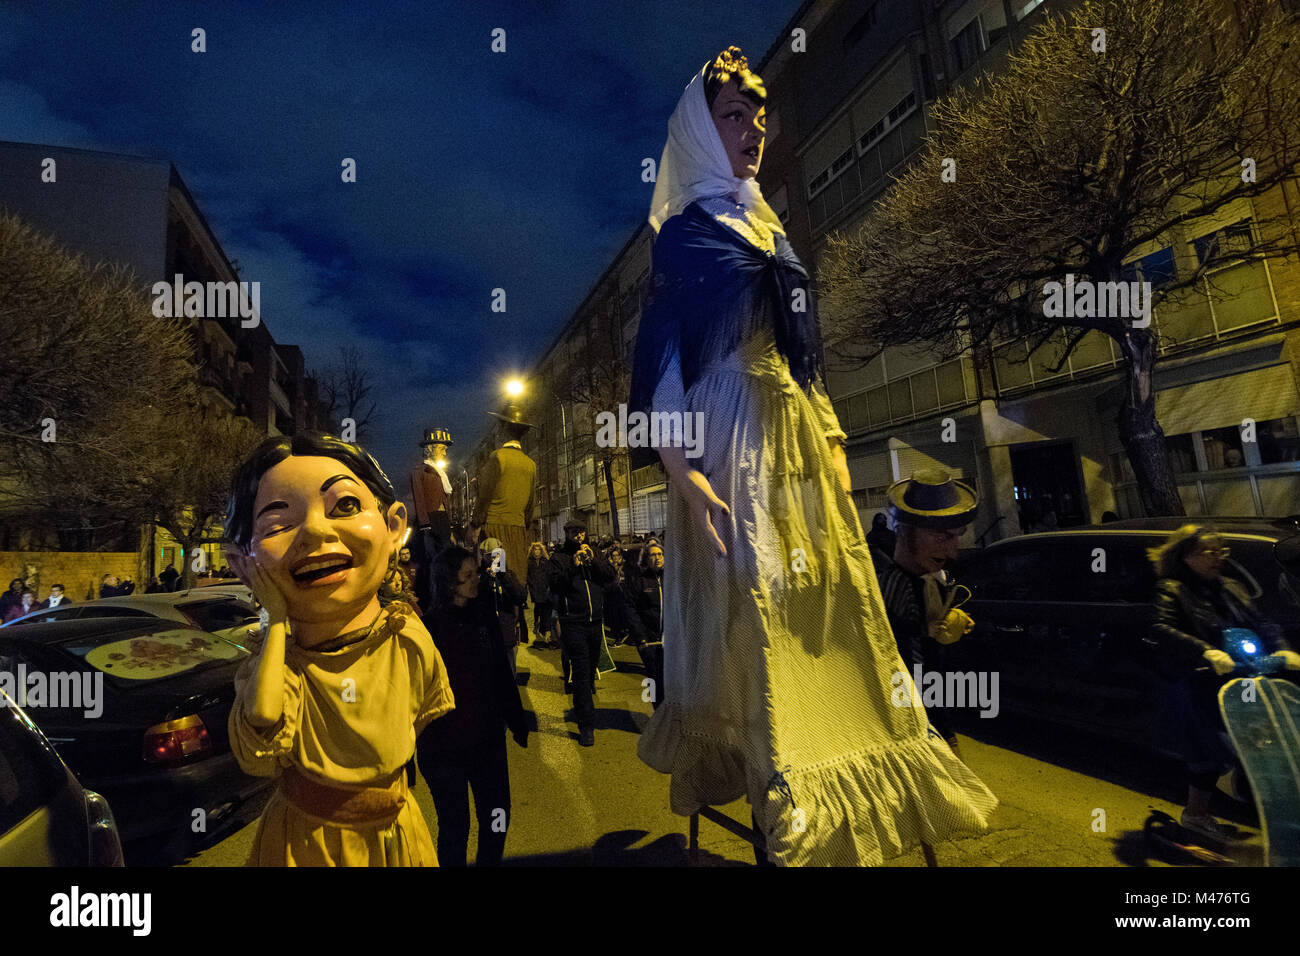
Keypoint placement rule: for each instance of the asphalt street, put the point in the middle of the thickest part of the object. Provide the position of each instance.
(1066, 800)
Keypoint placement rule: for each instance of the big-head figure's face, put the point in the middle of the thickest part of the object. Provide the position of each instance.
(321, 535)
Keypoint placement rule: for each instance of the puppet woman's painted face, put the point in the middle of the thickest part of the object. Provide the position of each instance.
(742, 127)
(319, 532)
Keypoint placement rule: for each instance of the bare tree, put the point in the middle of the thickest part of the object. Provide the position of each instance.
(1087, 148)
(88, 378)
(201, 448)
(344, 388)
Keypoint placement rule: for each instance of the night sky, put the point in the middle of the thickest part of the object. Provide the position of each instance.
(475, 170)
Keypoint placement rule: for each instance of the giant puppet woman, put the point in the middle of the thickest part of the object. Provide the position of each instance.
(346, 676)
(779, 660)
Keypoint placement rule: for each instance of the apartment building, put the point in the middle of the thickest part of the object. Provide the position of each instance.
(850, 113)
(138, 213)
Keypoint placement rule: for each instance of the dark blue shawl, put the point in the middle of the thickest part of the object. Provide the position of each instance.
(710, 291)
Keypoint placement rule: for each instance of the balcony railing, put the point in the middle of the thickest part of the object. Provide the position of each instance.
(940, 387)
(1227, 302)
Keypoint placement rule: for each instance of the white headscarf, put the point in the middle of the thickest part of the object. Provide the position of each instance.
(694, 164)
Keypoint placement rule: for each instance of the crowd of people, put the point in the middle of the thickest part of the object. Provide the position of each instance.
(21, 599)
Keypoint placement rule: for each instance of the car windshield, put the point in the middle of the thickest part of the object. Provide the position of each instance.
(132, 658)
(221, 614)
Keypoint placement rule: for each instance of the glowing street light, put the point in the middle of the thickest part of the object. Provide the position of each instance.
(514, 388)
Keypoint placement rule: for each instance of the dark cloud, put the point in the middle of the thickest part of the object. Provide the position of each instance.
(475, 170)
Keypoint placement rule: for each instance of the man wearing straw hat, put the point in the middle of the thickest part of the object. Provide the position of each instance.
(931, 512)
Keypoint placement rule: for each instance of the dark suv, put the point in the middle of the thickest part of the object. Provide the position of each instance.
(1064, 618)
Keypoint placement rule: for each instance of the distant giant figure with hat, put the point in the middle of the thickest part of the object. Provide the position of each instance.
(431, 494)
(507, 487)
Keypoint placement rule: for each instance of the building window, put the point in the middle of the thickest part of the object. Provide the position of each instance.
(967, 45)
(1224, 244)
(1156, 268)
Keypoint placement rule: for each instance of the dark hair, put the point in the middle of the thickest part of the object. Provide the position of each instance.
(446, 573)
(730, 66)
(59, 586)
(1170, 556)
(243, 491)
(516, 430)
(278, 448)
(15, 581)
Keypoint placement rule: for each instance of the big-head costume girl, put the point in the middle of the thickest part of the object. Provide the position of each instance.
(346, 676)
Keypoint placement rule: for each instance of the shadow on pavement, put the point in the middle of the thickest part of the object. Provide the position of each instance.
(616, 849)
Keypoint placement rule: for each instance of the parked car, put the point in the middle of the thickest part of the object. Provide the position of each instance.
(46, 817)
(1064, 618)
(159, 750)
(227, 610)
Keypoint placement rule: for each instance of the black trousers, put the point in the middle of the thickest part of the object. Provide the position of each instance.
(652, 656)
(543, 617)
(485, 771)
(581, 643)
(424, 548)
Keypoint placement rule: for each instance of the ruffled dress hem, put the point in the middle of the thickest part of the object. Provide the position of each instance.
(866, 807)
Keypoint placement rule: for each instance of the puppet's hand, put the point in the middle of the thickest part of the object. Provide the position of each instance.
(266, 592)
(706, 509)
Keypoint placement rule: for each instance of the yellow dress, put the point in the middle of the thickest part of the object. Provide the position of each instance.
(350, 721)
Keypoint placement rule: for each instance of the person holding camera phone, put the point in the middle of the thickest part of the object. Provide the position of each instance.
(1195, 605)
(500, 586)
(578, 578)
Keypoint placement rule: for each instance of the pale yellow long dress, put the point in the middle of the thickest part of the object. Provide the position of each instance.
(351, 717)
(778, 657)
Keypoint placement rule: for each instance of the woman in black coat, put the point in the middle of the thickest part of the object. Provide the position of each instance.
(539, 590)
(466, 747)
(646, 615)
(1195, 604)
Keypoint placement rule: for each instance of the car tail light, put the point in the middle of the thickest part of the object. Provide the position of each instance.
(176, 740)
(105, 846)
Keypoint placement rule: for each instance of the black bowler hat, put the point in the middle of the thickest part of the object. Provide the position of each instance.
(932, 499)
(574, 525)
(437, 436)
(512, 415)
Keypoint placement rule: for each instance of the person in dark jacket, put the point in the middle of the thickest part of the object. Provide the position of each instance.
(501, 588)
(578, 579)
(57, 598)
(646, 617)
(26, 604)
(616, 602)
(11, 597)
(1194, 604)
(931, 511)
(168, 578)
(880, 538)
(466, 748)
(539, 590)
